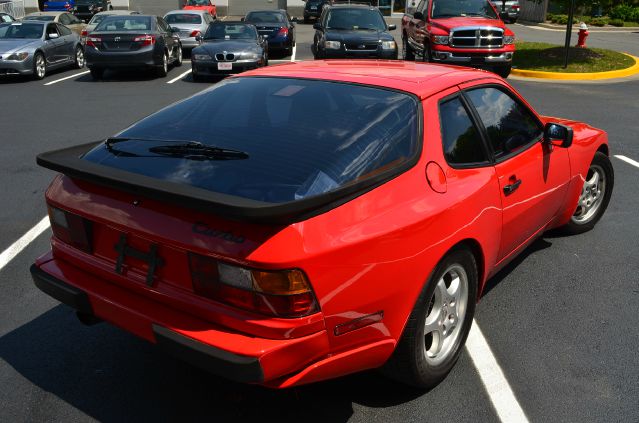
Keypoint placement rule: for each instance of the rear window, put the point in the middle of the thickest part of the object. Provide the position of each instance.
(42, 18)
(265, 17)
(124, 23)
(298, 138)
(184, 18)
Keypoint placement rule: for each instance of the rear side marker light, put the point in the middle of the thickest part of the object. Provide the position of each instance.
(71, 229)
(358, 323)
(282, 293)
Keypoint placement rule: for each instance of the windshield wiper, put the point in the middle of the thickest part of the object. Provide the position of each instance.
(479, 14)
(191, 150)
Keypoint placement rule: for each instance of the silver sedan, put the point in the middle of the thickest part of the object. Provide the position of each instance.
(191, 24)
(33, 48)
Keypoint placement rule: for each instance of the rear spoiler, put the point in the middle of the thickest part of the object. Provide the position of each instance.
(69, 162)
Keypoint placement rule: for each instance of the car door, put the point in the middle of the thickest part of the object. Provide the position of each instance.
(67, 48)
(52, 45)
(533, 176)
(169, 39)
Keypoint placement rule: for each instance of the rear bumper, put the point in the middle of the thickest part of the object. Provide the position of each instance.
(230, 354)
(125, 59)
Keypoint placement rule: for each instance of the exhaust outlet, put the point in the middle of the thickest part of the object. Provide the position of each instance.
(87, 319)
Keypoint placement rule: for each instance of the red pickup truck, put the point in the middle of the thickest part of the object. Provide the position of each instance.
(201, 5)
(459, 32)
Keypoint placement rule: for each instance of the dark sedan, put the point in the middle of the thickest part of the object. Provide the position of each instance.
(86, 9)
(353, 32)
(313, 9)
(133, 41)
(229, 47)
(276, 27)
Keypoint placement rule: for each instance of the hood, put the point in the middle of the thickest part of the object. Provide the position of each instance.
(451, 23)
(231, 46)
(358, 36)
(11, 46)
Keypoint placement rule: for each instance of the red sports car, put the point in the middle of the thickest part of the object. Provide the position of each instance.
(206, 5)
(302, 222)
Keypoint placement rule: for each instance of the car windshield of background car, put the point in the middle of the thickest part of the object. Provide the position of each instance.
(21, 31)
(184, 18)
(128, 23)
(356, 19)
(289, 151)
(230, 32)
(462, 8)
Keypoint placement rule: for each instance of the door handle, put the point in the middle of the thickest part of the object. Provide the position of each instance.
(510, 188)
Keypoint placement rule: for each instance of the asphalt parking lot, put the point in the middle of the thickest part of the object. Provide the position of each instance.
(561, 321)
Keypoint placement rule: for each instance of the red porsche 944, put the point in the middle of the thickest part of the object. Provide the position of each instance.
(302, 222)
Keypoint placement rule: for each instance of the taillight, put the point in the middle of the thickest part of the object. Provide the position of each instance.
(195, 33)
(92, 41)
(71, 228)
(282, 293)
(283, 32)
(84, 33)
(514, 7)
(146, 40)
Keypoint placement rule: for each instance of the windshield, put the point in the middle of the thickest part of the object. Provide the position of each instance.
(354, 19)
(47, 18)
(197, 2)
(221, 31)
(293, 138)
(265, 17)
(124, 23)
(462, 8)
(183, 18)
(88, 2)
(30, 31)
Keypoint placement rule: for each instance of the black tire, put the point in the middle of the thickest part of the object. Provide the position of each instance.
(428, 54)
(163, 70)
(409, 53)
(96, 73)
(581, 222)
(409, 363)
(178, 56)
(306, 20)
(39, 66)
(512, 21)
(80, 61)
(503, 71)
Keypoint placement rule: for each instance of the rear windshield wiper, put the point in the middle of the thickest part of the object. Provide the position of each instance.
(192, 150)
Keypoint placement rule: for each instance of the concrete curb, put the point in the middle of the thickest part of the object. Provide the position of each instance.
(575, 27)
(586, 76)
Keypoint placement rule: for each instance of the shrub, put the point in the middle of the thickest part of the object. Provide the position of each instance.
(599, 21)
(634, 16)
(615, 22)
(550, 17)
(585, 19)
(563, 19)
(622, 12)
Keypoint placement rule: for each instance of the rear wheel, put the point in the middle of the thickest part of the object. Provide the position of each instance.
(79, 58)
(179, 56)
(409, 54)
(96, 73)
(595, 195)
(163, 70)
(39, 66)
(438, 326)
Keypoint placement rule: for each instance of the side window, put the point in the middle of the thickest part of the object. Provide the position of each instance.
(510, 125)
(161, 25)
(64, 19)
(421, 7)
(461, 141)
(51, 29)
(63, 30)
(74, 19)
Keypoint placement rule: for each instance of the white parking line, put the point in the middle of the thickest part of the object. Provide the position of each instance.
(177, 78)
(294, 52)
(26, 239)
(497, 387)
(66, 77)
(627, 160)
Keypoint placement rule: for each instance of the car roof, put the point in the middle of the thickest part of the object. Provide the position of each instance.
(118, 12)
(352, 6)
(268, 10)
(420, 79)
(187, 11)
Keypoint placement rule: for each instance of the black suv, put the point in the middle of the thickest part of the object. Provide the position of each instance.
(313, 9)
(353, 32)
(85, 9)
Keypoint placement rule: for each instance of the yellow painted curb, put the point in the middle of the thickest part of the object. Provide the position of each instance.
(620, 73)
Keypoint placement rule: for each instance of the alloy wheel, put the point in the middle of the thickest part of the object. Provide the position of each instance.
(592, 195)
(40, 66)
(79, 58)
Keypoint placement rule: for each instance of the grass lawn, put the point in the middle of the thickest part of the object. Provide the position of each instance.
(631, 24)
(550, 58)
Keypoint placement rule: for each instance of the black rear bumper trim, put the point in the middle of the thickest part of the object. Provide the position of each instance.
(61, 290)
(214, 360)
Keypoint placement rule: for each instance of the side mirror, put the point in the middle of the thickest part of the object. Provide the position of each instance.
(317, 26)
(419, 16)
(392, 27)
(558, 135)
(53, 36)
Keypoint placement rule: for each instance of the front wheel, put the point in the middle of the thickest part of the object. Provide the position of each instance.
(179, 56)
(39, 66)
(595, 195)
(503, 71)
(79, 58)
(438, 326)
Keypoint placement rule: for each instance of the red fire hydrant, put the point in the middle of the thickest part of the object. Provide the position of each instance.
(583, 34)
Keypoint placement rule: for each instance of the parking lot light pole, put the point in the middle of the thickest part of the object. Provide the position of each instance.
(571, 14)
